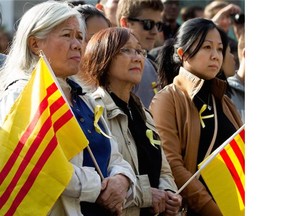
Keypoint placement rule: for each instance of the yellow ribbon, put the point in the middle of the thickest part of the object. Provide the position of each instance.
(204, 107)
(98, 113)
(154, 86)
(149, 134)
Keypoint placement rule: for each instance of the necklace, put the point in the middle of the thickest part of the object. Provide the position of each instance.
(208, 102)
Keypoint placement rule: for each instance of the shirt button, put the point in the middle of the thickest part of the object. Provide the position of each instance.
(82, 119)
(89, 131)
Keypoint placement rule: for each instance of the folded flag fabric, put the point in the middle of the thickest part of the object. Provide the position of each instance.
(37, 139)
(224, 175)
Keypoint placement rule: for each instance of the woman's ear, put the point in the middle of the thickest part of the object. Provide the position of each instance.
(33, 45)
(124, 22)
(99, 6)
(180, 52)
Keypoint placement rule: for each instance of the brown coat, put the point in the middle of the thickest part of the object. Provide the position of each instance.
(177, 121)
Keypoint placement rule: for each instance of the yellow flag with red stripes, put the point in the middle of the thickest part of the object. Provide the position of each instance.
(37, 139)
(225, 175)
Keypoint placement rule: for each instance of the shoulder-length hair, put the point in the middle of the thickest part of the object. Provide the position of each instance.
(100, 51)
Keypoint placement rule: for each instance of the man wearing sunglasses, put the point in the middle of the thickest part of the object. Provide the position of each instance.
(143, 17)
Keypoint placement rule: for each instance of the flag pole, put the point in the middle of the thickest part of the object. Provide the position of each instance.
(95, 163)
(210, 158)
(63, 95)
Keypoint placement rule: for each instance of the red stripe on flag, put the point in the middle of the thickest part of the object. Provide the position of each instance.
(39, 165)
(41, 162)
(62, 120)
(15, 154)
(234, 145)
(24, 163)
(10, 162)
(234, 174)
(32, 177)
(31, 151)
(56, 104)
(242, 135)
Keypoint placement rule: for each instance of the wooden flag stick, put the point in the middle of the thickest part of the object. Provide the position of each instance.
(188, 181)
(209, 159)
(95, 163)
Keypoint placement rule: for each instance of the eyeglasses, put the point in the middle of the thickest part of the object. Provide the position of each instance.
(134, 52)
(148, 24)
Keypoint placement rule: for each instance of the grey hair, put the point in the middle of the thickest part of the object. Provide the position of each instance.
(38, 21)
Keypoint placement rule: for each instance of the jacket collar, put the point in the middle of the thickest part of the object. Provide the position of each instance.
(191, 84)
(76, 89)
(111, 108)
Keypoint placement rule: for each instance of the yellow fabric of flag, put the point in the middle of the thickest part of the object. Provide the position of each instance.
(225, 176)
(37, 139)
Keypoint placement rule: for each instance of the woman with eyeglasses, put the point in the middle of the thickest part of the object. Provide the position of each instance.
(143, 17)
(192, 114)
(114, 59)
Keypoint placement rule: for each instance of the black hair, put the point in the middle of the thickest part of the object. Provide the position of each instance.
(190, 32)
(87, 11)
(190, 12)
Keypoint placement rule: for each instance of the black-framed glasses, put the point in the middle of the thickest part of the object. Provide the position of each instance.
(133, 52)
(148, 24)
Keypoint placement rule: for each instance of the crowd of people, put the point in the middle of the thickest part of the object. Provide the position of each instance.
(171, 92)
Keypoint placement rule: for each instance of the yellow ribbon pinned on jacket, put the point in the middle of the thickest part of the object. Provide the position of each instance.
(149, 134)
(154, 87)
(204, 107)
(98, 113)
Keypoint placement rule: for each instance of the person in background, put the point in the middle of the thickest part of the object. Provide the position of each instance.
(236, 89)
(143, 17)
(57, 30)
(190, 12)
(235, 79)
(5, 41)
(169, 18)
(2, 59)
(115, 60)
(238, 25)
(192, 115)
(95, 20)
(228, 66)
(170, 25)
(186, 13)
(109, 7)
(221, 13)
